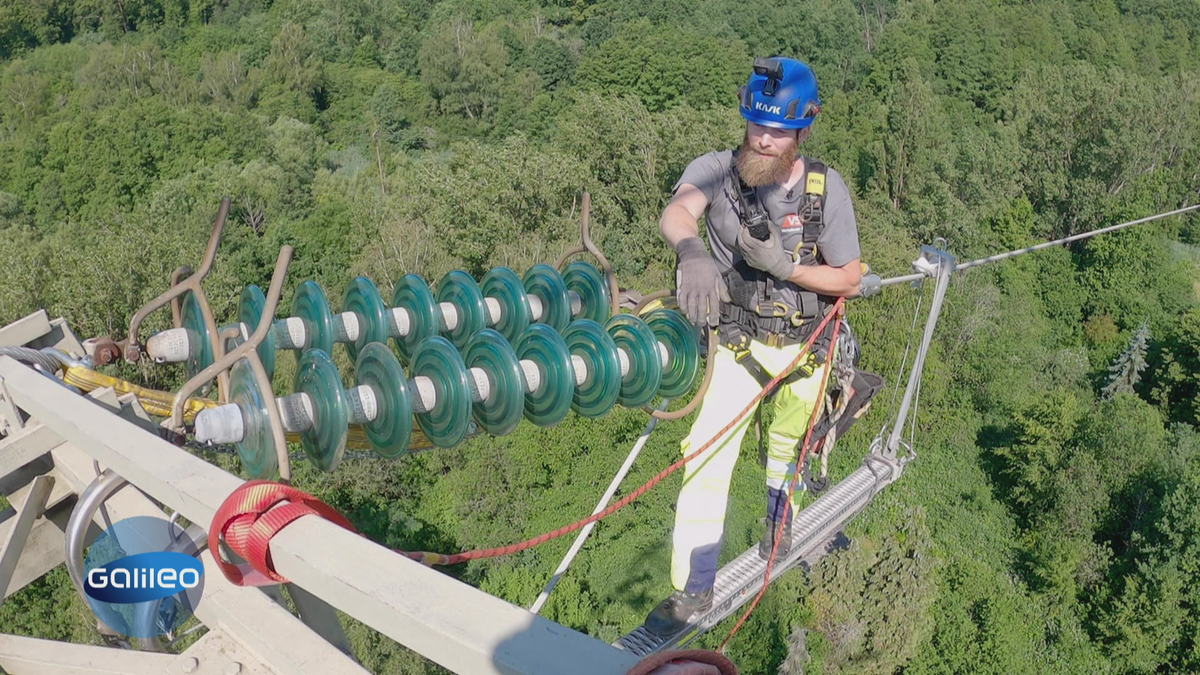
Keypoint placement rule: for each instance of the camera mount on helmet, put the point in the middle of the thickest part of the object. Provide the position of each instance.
(771, 69)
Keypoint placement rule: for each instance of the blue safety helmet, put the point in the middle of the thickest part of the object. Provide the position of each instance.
(781, 93)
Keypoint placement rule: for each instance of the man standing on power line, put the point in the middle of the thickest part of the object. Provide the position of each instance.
(784, 244)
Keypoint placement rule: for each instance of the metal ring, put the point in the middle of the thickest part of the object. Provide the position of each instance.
(90, 500)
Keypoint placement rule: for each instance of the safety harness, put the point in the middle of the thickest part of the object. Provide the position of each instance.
(775, 312)
(781, 313)
(764, 308)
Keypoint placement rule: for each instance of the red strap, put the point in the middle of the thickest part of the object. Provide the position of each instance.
(247, 520)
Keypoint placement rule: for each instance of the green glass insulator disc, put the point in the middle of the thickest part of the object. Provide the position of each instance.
(311, 305)
(549, 403)
(412, 294)
(325, 442)
(640, 385)
(362, 298)
(460, 289)
(250, 310)
(506, 287)
(257, 449)
(547, 284)
(447, 424)
(502, 411)
(598, 394)
(683, 350)
(589, 283)
(192, 319)
(390, 431)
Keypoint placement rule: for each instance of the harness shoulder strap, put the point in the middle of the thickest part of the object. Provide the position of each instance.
(814, 179)
(812, 211)
(750, 210)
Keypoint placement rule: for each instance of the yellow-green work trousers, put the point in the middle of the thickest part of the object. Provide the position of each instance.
(700, 513)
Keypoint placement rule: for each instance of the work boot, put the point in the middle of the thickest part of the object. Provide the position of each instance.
(672, 614)
(768, 540)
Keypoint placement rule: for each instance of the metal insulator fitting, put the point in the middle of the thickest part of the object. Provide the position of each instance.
(105, 351)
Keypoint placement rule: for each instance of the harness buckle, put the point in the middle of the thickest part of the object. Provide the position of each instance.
(809, 366)
(739, 346)
(797, 318)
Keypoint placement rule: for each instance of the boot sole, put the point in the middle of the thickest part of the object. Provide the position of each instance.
(677, 630)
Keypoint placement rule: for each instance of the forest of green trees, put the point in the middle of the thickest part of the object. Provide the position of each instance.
(1052, 521)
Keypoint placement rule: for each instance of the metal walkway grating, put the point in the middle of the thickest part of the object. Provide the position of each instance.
(815, 532)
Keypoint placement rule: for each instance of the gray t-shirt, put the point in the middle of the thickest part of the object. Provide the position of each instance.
(837, 245)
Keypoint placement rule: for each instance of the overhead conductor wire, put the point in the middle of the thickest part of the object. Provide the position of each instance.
(1065, 240)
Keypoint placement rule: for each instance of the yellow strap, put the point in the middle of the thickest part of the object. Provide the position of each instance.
(158, 403)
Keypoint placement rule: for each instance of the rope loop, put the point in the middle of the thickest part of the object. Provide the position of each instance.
(685, 662)
(247, 520)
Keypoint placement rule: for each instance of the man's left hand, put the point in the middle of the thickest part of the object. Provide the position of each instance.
(767, 255)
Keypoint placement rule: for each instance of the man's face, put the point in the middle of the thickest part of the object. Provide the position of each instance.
(767, 154)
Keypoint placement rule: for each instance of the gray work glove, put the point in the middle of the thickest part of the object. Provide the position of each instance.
(767, 255)
(699, 286)
(870, 285)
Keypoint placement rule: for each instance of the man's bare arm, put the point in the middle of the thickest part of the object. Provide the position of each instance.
(837, 281)
(681, 219)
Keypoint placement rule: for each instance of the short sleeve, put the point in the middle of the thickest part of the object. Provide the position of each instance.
(707, 173)
(838, 242)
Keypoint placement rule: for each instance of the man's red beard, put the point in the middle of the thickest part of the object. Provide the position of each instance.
(756, 169)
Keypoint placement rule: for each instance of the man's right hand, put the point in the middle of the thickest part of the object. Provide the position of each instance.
(699, 286)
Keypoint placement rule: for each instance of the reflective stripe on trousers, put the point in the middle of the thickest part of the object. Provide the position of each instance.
(700, 513)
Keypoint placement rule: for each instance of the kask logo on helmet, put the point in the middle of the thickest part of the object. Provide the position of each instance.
(769, 109)
(143, 578)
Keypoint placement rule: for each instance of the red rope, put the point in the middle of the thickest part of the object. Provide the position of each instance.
(253, 513)
(791, 488)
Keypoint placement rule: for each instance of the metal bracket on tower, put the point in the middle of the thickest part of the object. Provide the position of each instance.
(11, 418)
(930, 261)
(937, 264)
